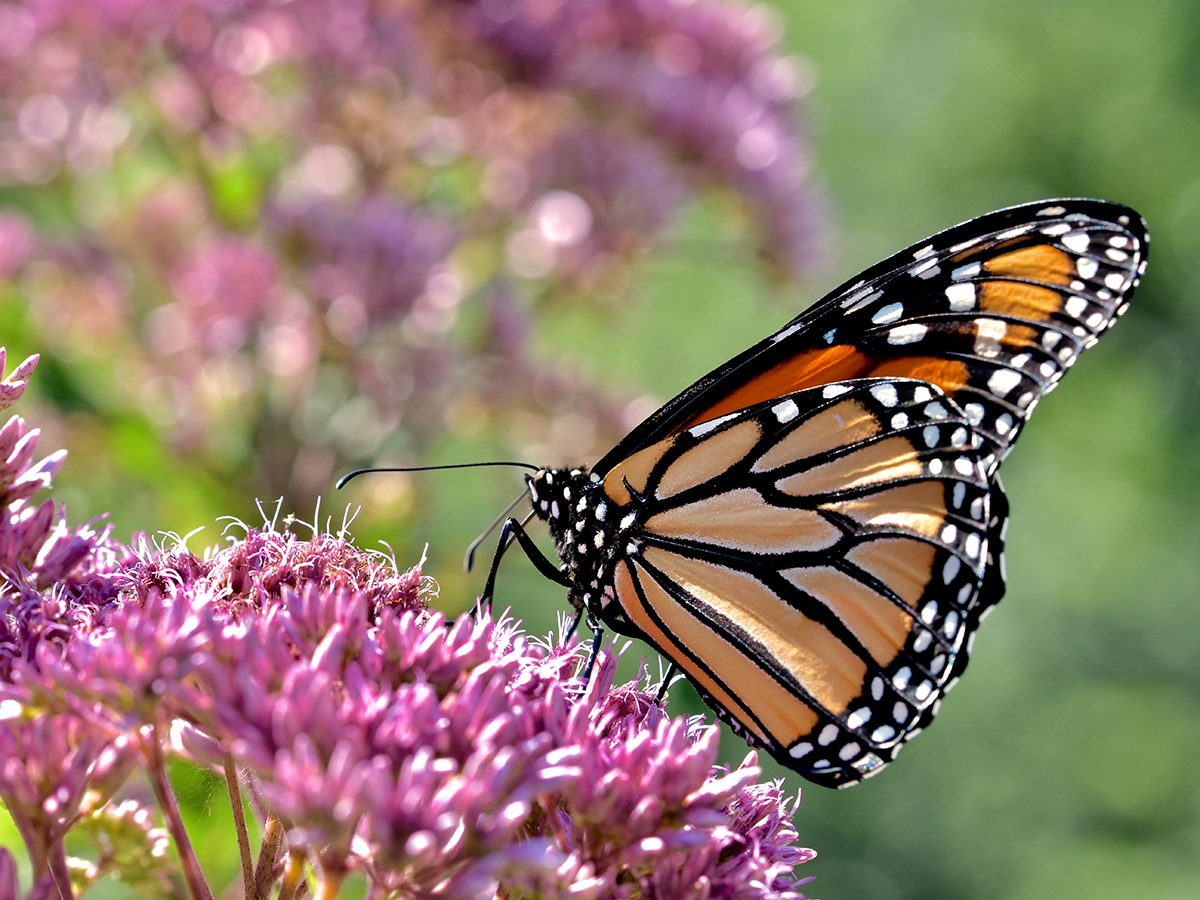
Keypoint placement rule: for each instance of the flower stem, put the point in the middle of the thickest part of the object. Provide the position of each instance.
(151, 748)
(293, 875)
(239, 819)
(266, 870)
(331, 885)
(60, 872)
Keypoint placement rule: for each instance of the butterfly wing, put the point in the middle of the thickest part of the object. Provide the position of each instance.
(813, 564)
(992, 311)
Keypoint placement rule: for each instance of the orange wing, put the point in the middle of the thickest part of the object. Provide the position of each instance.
(812, 564)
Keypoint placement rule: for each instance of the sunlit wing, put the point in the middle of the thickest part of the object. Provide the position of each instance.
(813, 564)
(993, 312)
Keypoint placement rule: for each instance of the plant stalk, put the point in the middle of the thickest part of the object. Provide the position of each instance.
(239, 820)
(152, 750)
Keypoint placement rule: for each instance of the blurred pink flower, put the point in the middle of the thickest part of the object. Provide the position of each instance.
(267, 235)
(224, 289)
(378, 254)
(703, 77)
(17, 242)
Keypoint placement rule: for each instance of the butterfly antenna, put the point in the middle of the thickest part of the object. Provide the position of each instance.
(475, 465)
(469, 559)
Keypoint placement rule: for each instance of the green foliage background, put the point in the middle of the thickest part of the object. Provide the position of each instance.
(1063, 765)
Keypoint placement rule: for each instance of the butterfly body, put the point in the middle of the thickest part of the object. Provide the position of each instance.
(813, 532)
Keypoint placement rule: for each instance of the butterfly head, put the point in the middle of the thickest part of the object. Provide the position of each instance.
(558, 496)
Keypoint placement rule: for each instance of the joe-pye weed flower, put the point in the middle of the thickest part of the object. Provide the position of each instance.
(367, 734)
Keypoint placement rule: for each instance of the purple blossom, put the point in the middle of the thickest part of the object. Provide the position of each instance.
(44, 563)
(432, 758)
(224, 291)
(13, 385)
(601, 194)
(376, 259)
(36, 545)
(17, 241)
(704, 76)
(46, 768)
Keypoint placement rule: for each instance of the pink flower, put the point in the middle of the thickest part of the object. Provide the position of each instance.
(17, 242)
(225, 289)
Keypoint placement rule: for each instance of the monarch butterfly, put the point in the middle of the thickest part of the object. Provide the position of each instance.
(813, 531)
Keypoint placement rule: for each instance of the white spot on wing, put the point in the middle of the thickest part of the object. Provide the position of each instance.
(858, 718)
(961, 297)
(885, 394)
(889, 313)
(935, 410)
(705, 427)
(951, 568)
(1002, 381)
(786, 411)
(1076, 241)
(859, 299)
(988, 334)
(1014, 232)
(907, 334)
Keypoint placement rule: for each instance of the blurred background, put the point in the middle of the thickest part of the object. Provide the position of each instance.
(258, 243)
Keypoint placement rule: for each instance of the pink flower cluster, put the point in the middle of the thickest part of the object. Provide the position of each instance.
(367, 734)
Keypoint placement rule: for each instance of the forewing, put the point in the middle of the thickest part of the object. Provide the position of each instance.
(813, 564)
(993, 311)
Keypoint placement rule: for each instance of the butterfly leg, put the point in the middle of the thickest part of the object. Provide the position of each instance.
(597, 636)
(672, 669)
(514, 530)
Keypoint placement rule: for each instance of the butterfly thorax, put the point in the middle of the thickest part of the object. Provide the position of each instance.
(584, 528)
